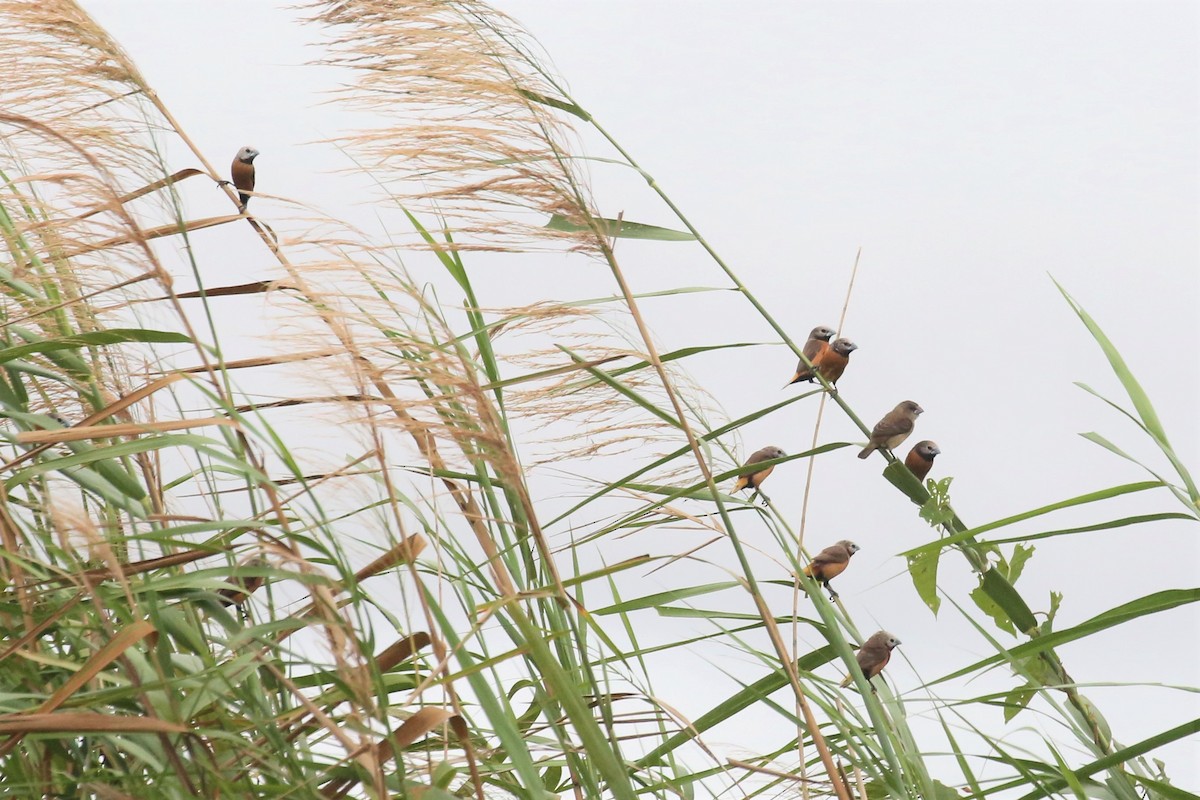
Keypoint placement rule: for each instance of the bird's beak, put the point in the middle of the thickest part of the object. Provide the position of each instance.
(935, 451)
(920, 410)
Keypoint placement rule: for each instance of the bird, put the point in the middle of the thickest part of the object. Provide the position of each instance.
(920, 458)
(831, 362)
(894, 428)
(246, 585)
(831, 562)
(818, 343)
(242, 172)
(873, 656)
(754, 480)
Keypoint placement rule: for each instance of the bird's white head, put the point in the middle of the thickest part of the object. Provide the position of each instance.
(247, 154)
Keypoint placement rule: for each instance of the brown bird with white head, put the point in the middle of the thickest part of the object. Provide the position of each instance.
(831, 562)
(242, 172)
(818, 343)
(873, 656)
(920, 458)
(753, 480)
(894, 428)
(832, 361)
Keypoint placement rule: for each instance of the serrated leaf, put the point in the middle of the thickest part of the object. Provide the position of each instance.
(1017, 699)
(1055, 602)
(923, 569)
(936, 510)
(1038, 672)
(1021, 555)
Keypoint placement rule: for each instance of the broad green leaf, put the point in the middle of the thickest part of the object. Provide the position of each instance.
(621, 229)
(937, 510)
(1016, 563)
(923, 569)
(1017, 699)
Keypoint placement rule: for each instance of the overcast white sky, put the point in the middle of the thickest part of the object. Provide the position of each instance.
(971, 150)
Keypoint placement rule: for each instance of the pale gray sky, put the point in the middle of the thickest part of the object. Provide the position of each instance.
(971, 150)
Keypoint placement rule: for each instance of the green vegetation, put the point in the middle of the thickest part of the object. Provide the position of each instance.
(192, 609)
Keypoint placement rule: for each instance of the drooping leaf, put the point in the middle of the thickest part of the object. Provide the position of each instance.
(1017, 699)
(94, 339)
(663, 598)
(1016, 563)
(923, 569)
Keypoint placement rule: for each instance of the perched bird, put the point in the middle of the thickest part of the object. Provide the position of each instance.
(920, 458)
(242, 172)
(246, 584)
(894, 428)
(873, 656)
(831, 362)
(818, 343)
(831, 562)
(754, 480)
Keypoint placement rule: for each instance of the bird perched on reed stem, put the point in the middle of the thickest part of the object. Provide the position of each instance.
(818, 343)
(242, 172)
(873, 656)
(753, 480)
(920, 458)
(894, 428)
(832, 361)
(831, 562)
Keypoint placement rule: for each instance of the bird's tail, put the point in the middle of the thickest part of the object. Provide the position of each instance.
(866, 451)
(243, 199)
